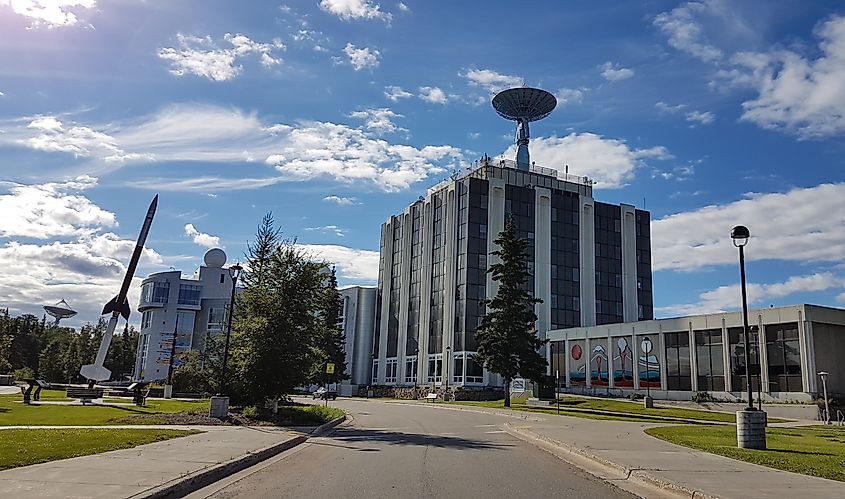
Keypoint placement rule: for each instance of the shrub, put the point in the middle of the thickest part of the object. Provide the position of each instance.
(23, 373)
(251, 412)
(700, 397)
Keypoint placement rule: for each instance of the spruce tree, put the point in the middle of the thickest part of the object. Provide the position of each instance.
(329, 342)
(507, 340)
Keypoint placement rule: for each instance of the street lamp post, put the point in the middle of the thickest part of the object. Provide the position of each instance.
(220, 402)
(823, 376)
(448, 356)
(750, 422)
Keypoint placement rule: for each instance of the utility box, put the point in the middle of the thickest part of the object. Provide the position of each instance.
(544, 389)
(219, 407)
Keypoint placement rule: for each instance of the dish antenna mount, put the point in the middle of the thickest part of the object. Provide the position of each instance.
(60, 311)
(523, 105)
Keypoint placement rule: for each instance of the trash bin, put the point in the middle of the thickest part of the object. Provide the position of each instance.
(544, 389)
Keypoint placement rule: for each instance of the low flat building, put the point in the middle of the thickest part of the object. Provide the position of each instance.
(678, 357)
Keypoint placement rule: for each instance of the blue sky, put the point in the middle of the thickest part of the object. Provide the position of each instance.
(335, 114)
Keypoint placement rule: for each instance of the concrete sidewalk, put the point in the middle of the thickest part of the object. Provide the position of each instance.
(147, 470)
(621, 452)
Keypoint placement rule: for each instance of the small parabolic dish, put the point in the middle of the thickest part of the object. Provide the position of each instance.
(60, 310)
(530, 104)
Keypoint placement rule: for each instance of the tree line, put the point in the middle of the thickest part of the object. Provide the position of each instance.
(34, 348)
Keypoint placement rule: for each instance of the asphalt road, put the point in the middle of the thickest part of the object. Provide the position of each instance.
(407, 451)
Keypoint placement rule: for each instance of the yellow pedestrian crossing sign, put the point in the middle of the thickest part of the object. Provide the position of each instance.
(329, 368)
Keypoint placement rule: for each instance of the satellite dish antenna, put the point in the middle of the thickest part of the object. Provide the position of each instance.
(60, 311)
(523, 105)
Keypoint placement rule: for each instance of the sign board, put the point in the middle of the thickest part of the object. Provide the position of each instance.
(330, 368)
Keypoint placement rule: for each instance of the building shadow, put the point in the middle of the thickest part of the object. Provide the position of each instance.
(363, 435)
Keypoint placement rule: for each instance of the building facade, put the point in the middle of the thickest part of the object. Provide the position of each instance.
(675, 358)
(188, 309)
(359, 324)
(590, 263)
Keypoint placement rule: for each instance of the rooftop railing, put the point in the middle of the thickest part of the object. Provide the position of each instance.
(501, 162)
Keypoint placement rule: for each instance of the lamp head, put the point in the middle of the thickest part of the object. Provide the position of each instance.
(740, 235)
(235, 271)
(823, 374)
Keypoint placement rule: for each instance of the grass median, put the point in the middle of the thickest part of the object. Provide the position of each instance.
(14, 413)
(815, 451)
(620, 410)
(25, 447)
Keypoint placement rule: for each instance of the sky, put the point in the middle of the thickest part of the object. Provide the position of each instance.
(335, 114)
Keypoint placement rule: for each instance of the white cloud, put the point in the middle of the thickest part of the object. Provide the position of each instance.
(726, 298)
(362, 58)
(44, 211)
(609, 162)
(203, 133)
(404, 8)
(684, 30)
(800, 225)
(614, 72)
(395, 93)
(86, 266)
(491, 81)
(433, 94)
(569, 96)
(50, 13)
(201, 238)
(348, 10)
(340, 200)
(202, 57)
(700, 118)
(801, 95)
(329, 229)
(352, 264)
(692, 116)
(379, 120)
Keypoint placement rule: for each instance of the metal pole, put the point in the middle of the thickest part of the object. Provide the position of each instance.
(826, 405)
(228, 333)
(747, 330)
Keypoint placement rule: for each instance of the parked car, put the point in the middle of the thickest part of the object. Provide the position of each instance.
(324, 394)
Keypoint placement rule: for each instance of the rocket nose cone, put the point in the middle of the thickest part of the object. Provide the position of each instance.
(154, 204)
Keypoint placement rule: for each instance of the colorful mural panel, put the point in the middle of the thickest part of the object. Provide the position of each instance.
(648, 361)
(577, 362)
(599, 365)
(623, 362)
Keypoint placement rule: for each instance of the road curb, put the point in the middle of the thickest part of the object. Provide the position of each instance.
(184, 485)
(622, 473)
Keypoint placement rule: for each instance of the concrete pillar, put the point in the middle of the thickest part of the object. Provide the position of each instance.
(661, 358)
(808, 362)
(451, 214)
(635, 359)
(588, 371)
(543, 262)
(587, 256)
(693, 359)
(629, 263)
(387, 237)
(404, 295)
(610, 347)
(726, 356)
(425, 290)
(495, 225)
(764, 354)
(566, 362)
(807, 376)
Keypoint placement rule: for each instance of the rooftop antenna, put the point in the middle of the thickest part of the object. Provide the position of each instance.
(60, 311)
(523, 105)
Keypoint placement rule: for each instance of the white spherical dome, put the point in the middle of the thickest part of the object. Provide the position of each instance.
(215, 257)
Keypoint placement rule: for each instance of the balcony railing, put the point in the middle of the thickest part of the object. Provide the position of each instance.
(501, 162)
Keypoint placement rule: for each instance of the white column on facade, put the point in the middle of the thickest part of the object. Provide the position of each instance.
(629, 263)
(635, 358)
(587, 354)
(808, 358)
(693, 360)
(404, 295)
(566, 360)
(764, 354)
(427, 238)
(387, 237)
(587, 255)
(610, 369)
(661, 359)
(807, 376)
(726, 356)
(451, 214)
(495, 225)
(543, 263)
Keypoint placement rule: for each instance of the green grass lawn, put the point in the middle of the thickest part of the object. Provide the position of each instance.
(25, 447)
(816, 451)
(15, 413)
(615, 409)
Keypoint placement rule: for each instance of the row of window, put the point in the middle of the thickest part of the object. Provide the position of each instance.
(474, 370)
(159, 292)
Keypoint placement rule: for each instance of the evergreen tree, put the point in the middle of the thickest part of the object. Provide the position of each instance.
(276, 317)
(52, 361)
(507, 340)
(330, 341)
(5, 342)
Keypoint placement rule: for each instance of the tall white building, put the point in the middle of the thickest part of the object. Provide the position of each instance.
(193, 307)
